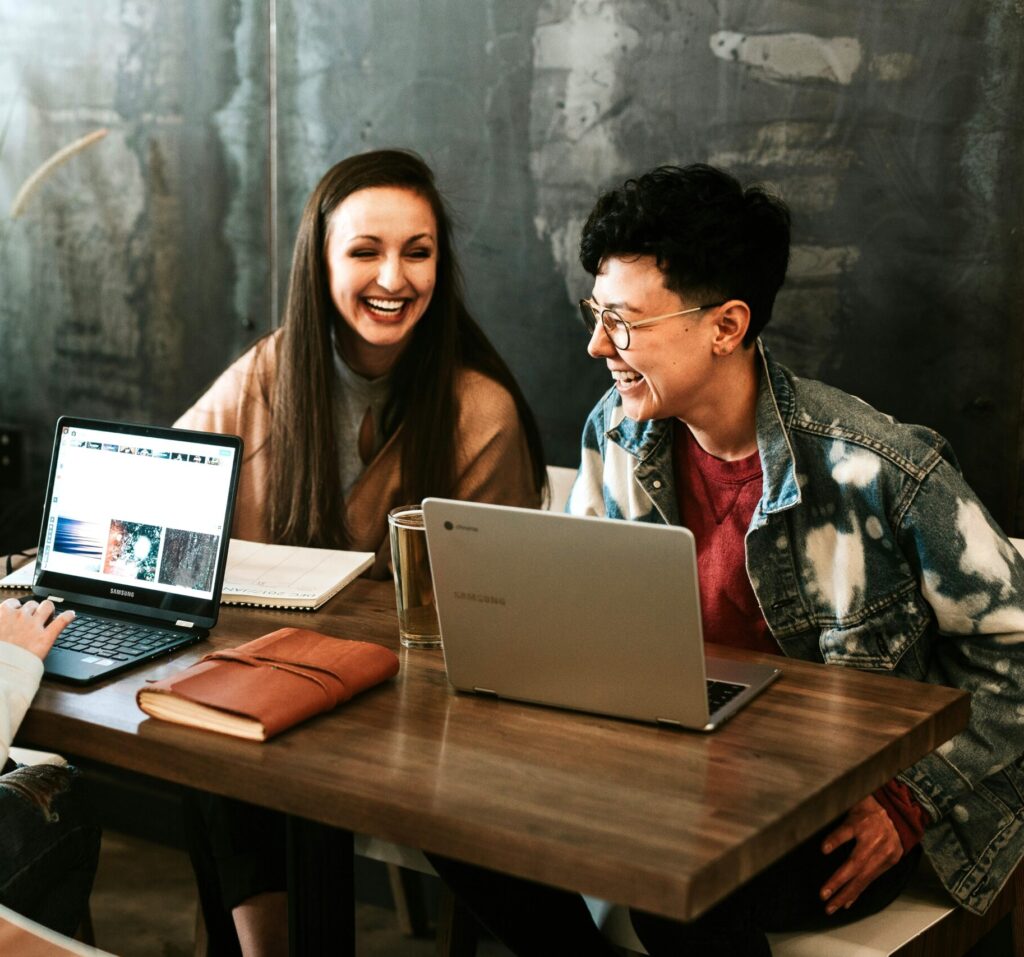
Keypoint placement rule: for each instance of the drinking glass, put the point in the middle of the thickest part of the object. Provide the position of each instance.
(414, 589)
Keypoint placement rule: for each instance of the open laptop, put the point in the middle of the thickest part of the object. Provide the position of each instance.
(134, 538)
(591, 614)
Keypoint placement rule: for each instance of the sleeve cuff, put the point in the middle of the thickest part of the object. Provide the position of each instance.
(935, 784)
(20, 666)
(908, 816)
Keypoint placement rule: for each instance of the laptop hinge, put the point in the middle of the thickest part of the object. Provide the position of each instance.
(493, 694)
(184, 624)
(670, 721)
(56, 599)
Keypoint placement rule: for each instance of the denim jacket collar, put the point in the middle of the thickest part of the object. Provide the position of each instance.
(640, 439)
(650, 442)
(775, 407)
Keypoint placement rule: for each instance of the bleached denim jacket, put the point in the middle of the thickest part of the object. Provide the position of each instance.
(868, 549)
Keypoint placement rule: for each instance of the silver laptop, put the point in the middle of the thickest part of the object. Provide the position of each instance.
(591, 614)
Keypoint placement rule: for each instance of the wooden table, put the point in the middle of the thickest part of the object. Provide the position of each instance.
(665, 820)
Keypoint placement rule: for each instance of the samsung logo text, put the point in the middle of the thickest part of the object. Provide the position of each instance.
(483, 599)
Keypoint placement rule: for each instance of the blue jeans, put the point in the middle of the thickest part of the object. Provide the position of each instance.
(49, 845)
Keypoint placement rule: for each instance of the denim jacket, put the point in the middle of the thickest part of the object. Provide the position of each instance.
(868, 549)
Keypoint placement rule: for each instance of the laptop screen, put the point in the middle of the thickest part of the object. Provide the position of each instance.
(137, 514)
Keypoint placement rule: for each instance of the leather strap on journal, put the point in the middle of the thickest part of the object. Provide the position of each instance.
(283, 664)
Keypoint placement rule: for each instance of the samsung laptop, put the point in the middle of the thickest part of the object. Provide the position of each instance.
(591, 614)
(134, 538)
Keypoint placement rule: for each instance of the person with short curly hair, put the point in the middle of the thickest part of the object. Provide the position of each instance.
(825, 531)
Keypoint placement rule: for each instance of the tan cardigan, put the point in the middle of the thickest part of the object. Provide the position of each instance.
(492, 460)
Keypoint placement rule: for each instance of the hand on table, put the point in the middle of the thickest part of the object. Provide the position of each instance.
(877, 848)
(26, 625)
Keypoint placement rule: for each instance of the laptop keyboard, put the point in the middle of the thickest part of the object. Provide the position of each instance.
(720, 693)
(115, 640)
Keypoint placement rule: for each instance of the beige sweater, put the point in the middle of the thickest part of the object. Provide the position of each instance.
(20, 674)
(492, 460)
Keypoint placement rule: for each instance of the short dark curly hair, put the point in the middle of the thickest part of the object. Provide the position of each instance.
(711, 238)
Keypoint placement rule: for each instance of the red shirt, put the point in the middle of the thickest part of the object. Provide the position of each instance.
(716, 502)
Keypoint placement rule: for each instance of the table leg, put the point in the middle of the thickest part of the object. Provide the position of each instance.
(321, 890)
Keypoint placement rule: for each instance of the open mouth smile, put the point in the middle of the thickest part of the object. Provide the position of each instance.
(626, 379)
(384, 308)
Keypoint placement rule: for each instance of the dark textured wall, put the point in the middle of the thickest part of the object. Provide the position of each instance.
(892, 128)
(128, 276)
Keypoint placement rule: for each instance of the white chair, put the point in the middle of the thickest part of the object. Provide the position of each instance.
(457, 931)
(26, 756)
(559, 485)
(921, 922)
(21, 936)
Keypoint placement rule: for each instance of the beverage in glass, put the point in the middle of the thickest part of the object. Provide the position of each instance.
(414, 589)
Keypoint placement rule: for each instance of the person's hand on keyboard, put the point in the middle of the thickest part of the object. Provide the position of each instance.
(30, 625)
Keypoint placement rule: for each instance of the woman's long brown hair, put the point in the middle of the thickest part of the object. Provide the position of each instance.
(306, 500)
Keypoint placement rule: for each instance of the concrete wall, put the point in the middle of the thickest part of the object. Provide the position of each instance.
(146, 262)
(139, 266)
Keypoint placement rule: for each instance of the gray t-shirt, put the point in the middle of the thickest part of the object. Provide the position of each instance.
(353, 395)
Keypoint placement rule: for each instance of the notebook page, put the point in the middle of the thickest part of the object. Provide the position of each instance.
(289, 572)
(20, 577)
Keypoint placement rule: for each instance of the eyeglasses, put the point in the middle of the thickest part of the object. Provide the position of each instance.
(618, 329)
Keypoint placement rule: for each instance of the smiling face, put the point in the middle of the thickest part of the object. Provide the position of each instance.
(668, 368)
(382, 267)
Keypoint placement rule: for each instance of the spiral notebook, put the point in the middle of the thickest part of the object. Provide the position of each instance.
(288, 576)
(268, 576)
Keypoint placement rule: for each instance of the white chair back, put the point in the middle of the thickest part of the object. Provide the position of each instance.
(559, 485)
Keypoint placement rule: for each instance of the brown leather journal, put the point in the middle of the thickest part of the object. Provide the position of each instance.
(268, 685)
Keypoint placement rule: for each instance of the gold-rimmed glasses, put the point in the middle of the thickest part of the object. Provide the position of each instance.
(617, 328)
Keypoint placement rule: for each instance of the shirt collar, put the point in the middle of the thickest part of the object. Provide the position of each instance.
(774, 413)
(369, 391)
(775, 404)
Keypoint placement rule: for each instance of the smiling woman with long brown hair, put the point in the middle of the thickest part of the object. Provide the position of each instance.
(379, 388)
